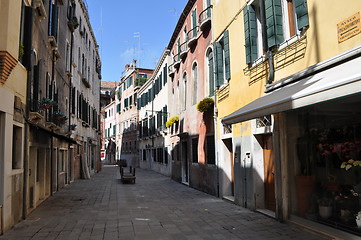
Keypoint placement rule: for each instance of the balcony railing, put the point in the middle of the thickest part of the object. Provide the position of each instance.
(176, 60)
(171, 70)
(183, 50)
(192, 36)
(205, 18)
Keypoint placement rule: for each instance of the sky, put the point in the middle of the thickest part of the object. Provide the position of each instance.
(125, 30)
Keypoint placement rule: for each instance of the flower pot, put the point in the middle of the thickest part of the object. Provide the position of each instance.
(325, 211)
(305, 186)
(46, 106)
(358, 222)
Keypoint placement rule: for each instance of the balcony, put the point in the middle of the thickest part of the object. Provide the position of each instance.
(85, 81)
(176, 61)
(183, 50)
(171, 70)
(73, 24)
(205, 18)
(40, 9)
(192, 36)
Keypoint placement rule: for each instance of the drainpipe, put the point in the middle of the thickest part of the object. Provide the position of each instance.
(215, 139)
(269, 54)
(27, 109)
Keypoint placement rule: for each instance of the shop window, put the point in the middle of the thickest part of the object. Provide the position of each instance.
(325, 144)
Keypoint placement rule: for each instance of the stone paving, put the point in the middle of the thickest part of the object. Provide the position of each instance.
(154, 208)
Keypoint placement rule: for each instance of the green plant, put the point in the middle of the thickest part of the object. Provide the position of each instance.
(21, 51)
(75, 23)
(46, 103)
(171, 121)
(140, 81)
(350, 163)
(205, 105)
(72, 126)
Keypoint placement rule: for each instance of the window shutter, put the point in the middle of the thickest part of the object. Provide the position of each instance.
(138, 104)
(73, 101)
(211, 76)
(165, 74)
(226, 55)
(302, 13)
(179, 50)
(274, 22)
(250, 32)
(54, 24)
(219, 64)
(36, 86)
(194, 18)
(160, 81)
(165, 115)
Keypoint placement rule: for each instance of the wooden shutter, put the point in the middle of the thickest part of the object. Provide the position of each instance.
(35, 98)
(226, 55)
(165, 69)
(194, 19)
(138, 104)
(301, 13)
(179, 49)
(274, 22)
(54, 23)
(28, 37)
(219, 64)
(160, 81)
(165, 115)
(211, 76)
(250, 33)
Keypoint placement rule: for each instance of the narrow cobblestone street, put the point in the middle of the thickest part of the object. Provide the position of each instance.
(154, 208)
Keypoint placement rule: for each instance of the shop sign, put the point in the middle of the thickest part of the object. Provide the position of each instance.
(349, 27)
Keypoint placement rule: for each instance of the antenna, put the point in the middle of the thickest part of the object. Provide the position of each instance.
(137, 35)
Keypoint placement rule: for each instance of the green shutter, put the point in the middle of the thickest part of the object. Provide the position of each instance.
(226, 55)
(114, 130)
(165, 69)
(211, 76)
(165, 115)
(179, 49)
(274, 22)
(160, 81)
(54, 27)
(302, 13)
(194, 18)
(219, 64)
(250, 33)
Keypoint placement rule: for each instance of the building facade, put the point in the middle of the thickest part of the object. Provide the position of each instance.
(13, 76)
(127, 113)
(56, 120)
(153, 135)
(192, 137)
(288, 125)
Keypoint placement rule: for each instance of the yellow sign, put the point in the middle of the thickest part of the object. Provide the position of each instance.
(349, 27)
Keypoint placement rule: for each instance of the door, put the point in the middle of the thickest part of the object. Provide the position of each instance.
(269, 168)
(185, 167)
(228, 144)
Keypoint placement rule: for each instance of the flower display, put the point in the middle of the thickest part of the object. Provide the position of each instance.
(171, 121)
(205, 104)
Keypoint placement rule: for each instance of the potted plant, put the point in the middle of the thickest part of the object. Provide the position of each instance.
(72, 126)
(325, 206)
(171, 121)
(205, 105)
(63, 119)
(58, 115)
(46, 103)
(358, 219)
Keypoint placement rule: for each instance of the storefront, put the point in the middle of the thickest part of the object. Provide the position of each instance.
(317, 144)
(324, 153)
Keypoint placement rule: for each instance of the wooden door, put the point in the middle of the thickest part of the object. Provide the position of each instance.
(269, 168)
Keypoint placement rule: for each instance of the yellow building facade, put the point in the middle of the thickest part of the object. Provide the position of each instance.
(13, 77)
(286, 111)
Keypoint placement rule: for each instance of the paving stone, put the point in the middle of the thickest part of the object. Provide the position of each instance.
(154, 208)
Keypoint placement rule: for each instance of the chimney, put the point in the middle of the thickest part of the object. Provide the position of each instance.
(126, 67)
(134, 62)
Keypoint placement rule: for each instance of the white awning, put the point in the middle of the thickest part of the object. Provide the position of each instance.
(339, 81)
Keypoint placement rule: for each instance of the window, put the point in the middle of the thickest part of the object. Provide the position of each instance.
(222, 60)
(67, 57)
(210, 154)
(210, 70)
(17, 147)
(166, 155)
(268, 24)
(144, 155)
(61, 161)
(194, 76)
(184, 91)
(195, 150)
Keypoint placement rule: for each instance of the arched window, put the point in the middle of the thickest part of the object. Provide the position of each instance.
(210, 69)
(195, 79)
(184, 91)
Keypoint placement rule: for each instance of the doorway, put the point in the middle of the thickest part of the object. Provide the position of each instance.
(269, 169)
(228, 157)
(185, 164)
